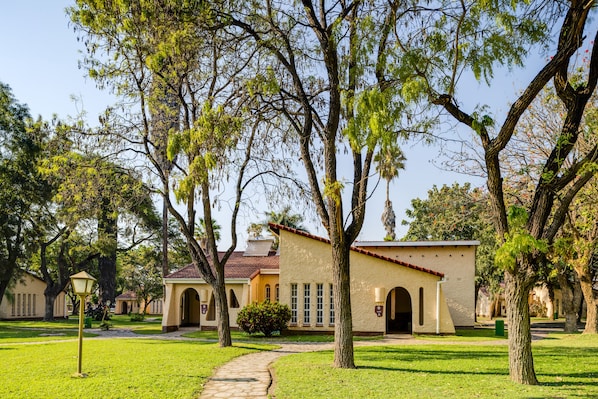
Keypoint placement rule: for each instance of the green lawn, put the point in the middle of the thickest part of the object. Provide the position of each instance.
(116, 368)
(36, 330)
(138, 368)
(260, 338)
(567, 367)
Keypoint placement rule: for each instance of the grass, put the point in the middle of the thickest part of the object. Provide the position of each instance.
(36, 330)
(566, 366)
(138, 368)
(116, 368)
(287, 338)
(467, 335)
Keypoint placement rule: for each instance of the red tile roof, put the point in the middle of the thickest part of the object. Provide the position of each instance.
(127, 295)
(237, 266)
(277, 227)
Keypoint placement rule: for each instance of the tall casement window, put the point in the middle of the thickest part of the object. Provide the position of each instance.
(306, 303)
(211, 315)
(24, 303)
(234, 302)
(319, 304)
(331, 315)
(277, 289)
(293, 303)
(421, 306)
(13, 310)
(18, 304)
(267, 298)
(34, 310)
(28, 304)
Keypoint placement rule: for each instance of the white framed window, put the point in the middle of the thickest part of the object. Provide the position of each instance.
(24, 303)
(28, 304)
(18, 304)
(331, 314)
(35, 300)
(277, 289)
(293, 303)
(306, 303)
(319, 304)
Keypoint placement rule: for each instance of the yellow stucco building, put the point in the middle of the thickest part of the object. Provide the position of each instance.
(26, 300)
(396, 288)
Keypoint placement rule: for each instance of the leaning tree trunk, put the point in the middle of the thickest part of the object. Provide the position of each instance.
(224, 338)
(591, 304)
(521, 361)
(568, 304)
(343, 327)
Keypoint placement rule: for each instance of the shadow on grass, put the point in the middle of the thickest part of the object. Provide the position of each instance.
(463, 362)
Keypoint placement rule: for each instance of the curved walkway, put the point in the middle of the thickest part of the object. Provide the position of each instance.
(249, 377)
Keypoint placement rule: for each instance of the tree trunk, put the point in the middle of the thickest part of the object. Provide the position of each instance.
(343, 328)
(568, 304)
(50, 299)
(107, 229)
(3, 287)
(521, 361)
(591, 304)
(550, 288)
(220, 300)
(165, 265)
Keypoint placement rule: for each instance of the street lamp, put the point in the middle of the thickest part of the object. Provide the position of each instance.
(82, 283)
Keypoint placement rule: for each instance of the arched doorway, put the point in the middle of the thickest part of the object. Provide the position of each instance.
(190, 309)
(398, 311)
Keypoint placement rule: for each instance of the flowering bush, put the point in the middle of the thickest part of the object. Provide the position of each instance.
(266, 317)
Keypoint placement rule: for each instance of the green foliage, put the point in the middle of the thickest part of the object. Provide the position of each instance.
(142, 272)
(458, 212)
(24, 194)
(442, 44)
(333, 190)
(266, 318)
(136, 317)
(206, 146)
(518, 242)
(375, 116)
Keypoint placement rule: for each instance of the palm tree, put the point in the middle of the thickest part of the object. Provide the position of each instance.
(390, 160)
(200, 231)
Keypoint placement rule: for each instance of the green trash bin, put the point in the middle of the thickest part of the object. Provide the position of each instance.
(499, 328)
(87, 322)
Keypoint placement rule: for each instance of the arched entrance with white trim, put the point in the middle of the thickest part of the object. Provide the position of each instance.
(190, 308)
(399, 313)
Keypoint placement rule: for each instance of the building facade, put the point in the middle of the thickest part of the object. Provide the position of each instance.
(26, 300)
(390, 292)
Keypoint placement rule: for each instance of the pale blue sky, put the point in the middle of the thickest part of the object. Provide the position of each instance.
(39, 61)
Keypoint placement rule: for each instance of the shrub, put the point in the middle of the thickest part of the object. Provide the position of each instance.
(266, 317)
(136, 316)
